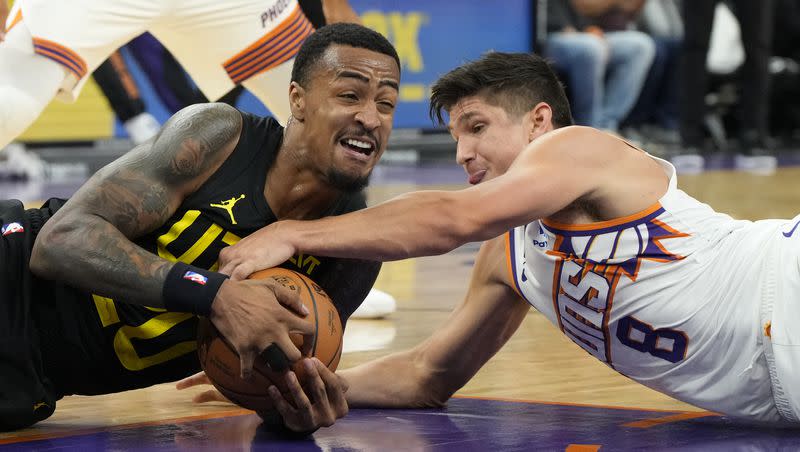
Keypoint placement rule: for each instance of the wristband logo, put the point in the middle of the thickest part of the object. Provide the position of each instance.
(195, 277)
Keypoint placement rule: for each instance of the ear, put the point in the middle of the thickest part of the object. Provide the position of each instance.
(297, 101)
(539, 120)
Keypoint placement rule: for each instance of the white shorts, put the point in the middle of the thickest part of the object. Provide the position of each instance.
(780, 314)
(219, 43)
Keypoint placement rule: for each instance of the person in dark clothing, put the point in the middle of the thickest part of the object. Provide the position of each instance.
(755, 20)
(101, 293)
(604, 67)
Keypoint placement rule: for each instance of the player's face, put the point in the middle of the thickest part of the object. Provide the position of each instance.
(487, 138)
(350, 107)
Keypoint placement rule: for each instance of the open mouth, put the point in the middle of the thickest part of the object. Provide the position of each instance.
(363, 147)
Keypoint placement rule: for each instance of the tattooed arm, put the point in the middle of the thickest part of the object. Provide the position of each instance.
(88, 241)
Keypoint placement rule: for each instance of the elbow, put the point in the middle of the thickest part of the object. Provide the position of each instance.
(435, 386)
(38, 262)
(42, 261)
(437, 392)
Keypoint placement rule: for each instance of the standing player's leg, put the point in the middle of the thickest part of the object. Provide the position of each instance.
(52, 47)
(243, 43)
(272, 88)
(28, 82)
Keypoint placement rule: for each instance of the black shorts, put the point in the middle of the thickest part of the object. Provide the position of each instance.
(26, 395)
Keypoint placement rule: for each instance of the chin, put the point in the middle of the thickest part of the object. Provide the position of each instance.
(348, 183)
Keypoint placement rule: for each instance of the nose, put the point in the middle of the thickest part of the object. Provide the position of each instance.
(368, 116)
(465, 152)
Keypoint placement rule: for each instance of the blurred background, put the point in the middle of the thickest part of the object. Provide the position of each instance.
(708, 84)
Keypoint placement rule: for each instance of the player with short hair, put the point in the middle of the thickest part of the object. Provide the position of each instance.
(101, 294)
(591, 231)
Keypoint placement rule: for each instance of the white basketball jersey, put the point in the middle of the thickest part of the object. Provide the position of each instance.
(668, 296)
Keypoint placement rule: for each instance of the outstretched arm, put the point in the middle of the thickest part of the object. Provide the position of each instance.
(434, 222)
(89, 241)
(430, 373)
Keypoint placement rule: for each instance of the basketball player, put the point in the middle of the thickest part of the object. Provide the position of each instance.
(220, 44)
(101, 293)
(593, 233)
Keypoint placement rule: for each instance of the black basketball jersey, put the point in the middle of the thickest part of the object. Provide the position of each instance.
(95, 345)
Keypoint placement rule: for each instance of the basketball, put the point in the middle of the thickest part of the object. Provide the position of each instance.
(221, 362)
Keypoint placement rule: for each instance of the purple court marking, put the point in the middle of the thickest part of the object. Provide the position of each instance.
(465, 425)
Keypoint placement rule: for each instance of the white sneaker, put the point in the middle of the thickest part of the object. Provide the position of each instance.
(757, 164)
(18, 163)
(377, 305)
(688, 163)
(141, 127)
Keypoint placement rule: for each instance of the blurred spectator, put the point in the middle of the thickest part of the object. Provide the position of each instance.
(785, 69)
(603, 62)
(654, 117)
(755, 20)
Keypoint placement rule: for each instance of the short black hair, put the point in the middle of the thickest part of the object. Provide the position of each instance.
(348, 34)
(515, 82)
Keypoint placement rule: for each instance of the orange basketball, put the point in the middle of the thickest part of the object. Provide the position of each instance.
(221, 362)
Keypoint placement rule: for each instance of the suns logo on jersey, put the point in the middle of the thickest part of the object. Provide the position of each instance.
(589, 267)
(11, 228)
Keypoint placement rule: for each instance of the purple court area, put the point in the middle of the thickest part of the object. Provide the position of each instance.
(465, 425)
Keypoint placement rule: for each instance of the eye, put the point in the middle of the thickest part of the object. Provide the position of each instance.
(478, 127)
(348, 96)
(388, 106)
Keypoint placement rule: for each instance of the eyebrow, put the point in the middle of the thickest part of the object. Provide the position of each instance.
(365, 79)
(463, 118)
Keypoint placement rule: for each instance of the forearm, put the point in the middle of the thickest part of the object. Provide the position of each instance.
(88, 243)
(416, 224)
(395, 381)
(91, 254)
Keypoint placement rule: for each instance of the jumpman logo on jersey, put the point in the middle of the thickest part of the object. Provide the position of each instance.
(791, 231)
(228, 206)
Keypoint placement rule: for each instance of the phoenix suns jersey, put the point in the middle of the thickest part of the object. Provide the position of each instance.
(668, 297)
(95, 345)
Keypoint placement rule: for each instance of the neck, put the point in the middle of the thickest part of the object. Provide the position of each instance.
(295, 189)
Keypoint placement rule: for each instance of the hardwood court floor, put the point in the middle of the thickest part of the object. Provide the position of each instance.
(537, 364)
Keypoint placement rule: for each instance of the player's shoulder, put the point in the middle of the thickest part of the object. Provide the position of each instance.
(196, 117)
(581, 137)
(210, 126)
(580, 144)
